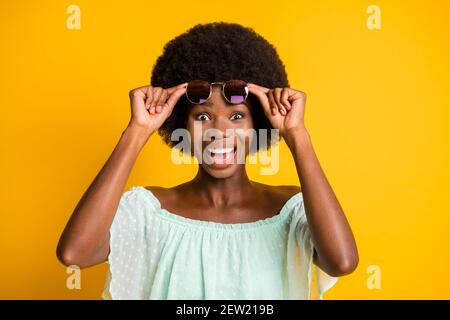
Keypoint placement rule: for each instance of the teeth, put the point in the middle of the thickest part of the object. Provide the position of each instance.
(221, 151)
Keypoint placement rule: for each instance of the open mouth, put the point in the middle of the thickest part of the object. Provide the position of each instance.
(222, 156)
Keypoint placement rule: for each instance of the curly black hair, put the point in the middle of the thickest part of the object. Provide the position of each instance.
(218, 51)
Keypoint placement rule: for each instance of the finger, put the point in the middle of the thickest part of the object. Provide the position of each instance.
(138, 93)
(284, 98)
(137, 99)
(161, 101)
(158, 103)
(263, 99)
(149, 96)
(156, 94)
(277, 96)
(272, 102)
(302, 96)
(175, 94)
(257, 87)
(173, 89)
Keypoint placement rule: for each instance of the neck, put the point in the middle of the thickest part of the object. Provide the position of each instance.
(221, 192)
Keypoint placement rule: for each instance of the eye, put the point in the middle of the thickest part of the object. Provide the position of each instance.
(202, 117)
(237, 116)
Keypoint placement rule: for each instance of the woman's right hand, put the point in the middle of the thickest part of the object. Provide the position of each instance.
(151, 106)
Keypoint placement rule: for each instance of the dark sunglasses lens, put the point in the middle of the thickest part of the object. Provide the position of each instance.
(235, 91)
(198, 91)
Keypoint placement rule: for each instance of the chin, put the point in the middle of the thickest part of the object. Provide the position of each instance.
(220, 173)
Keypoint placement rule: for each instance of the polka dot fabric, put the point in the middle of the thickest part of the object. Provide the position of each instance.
(156, 254)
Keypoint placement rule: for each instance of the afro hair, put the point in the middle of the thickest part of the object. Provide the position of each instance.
(218, 51)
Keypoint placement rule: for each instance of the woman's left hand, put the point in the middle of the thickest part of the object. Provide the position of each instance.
(284, 107)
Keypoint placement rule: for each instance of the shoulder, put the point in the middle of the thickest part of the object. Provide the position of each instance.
(278, 193)
(164, 195)
(158, 190)
(289, 189)
(286, 190)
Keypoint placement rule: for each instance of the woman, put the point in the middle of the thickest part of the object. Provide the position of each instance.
(220, 235)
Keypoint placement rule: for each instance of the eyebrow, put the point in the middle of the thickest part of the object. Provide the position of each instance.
(210, 104)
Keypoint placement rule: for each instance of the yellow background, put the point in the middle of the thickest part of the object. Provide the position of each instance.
(377, 112)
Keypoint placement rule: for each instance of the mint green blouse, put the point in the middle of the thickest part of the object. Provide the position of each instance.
(156, 254)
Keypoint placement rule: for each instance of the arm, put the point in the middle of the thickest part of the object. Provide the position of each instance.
(336, 252)
(85, 239)
(335, 247)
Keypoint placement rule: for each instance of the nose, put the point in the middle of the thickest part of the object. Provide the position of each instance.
(218, 133)
(219, 130)
(222, 124)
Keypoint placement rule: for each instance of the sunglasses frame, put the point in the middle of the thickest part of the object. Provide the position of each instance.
(223, 91)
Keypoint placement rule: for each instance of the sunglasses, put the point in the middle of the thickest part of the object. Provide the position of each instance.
(234, 91)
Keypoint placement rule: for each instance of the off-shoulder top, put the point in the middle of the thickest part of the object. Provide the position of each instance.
(157, 254)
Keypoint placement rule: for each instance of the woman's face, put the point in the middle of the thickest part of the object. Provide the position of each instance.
(218, 146)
